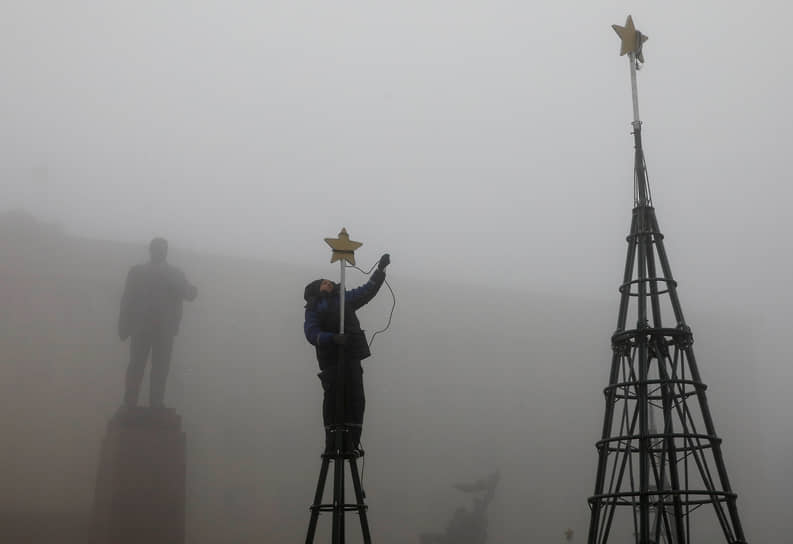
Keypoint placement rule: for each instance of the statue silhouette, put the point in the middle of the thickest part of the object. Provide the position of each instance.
(151, 310)
(468, 527)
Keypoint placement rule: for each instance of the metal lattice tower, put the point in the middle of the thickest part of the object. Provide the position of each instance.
(650, 479)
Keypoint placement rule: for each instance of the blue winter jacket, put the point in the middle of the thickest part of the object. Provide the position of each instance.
(322, 321)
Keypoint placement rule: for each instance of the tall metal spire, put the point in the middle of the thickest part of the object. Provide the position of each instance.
(658, 476)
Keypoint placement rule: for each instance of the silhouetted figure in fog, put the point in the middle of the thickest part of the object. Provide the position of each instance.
(468, 527)
(151, 310)
(322, 330)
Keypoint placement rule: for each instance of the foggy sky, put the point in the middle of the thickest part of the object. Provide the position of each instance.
(457, 135)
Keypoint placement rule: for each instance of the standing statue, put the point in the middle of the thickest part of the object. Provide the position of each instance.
(468, 527)
(321, 328)
(151, 310)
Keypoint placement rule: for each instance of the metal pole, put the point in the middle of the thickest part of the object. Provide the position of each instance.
(337, 528)
(634, 90)
(640, 176)
(341, 295)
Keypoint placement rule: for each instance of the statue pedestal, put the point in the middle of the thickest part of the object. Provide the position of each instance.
(140, 484)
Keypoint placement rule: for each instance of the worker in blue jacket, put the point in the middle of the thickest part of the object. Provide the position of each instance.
(321, 328)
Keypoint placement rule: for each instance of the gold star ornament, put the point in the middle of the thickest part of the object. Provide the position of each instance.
(343, 247)
(632, 39)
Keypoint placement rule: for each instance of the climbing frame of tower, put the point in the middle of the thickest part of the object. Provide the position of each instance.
(661, 475)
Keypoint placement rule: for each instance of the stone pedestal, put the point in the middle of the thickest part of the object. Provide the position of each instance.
(140, 483)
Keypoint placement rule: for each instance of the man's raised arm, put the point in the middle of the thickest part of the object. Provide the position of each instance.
(363, 294)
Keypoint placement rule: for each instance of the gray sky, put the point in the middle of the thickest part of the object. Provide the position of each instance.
(465, 137)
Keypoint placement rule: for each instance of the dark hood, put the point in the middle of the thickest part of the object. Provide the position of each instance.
(312, 292)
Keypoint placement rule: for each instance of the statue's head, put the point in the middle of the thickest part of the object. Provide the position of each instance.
(158, 250)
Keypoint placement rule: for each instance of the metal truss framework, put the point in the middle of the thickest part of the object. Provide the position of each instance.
(656, 477)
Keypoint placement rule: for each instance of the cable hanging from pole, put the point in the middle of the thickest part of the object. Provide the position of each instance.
(393, 302)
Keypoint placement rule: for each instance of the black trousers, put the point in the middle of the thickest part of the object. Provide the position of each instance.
(160, 345)
(354, 402)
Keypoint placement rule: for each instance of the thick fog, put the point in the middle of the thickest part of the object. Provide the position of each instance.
(485, 146)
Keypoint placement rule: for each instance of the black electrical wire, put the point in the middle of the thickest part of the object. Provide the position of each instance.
(393, 304)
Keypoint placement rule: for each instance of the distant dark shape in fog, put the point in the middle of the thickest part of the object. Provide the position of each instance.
(468, 527)
(151, 311)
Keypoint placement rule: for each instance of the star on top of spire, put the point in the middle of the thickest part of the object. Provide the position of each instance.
(632, 39)
(343, 247)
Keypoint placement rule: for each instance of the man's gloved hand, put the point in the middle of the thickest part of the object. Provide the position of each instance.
(340, 339)
(385, 260)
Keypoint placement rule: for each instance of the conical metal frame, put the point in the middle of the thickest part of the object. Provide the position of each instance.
(656, 478)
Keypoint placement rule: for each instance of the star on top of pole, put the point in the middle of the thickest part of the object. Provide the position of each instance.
(632, 39)
(343, 247)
